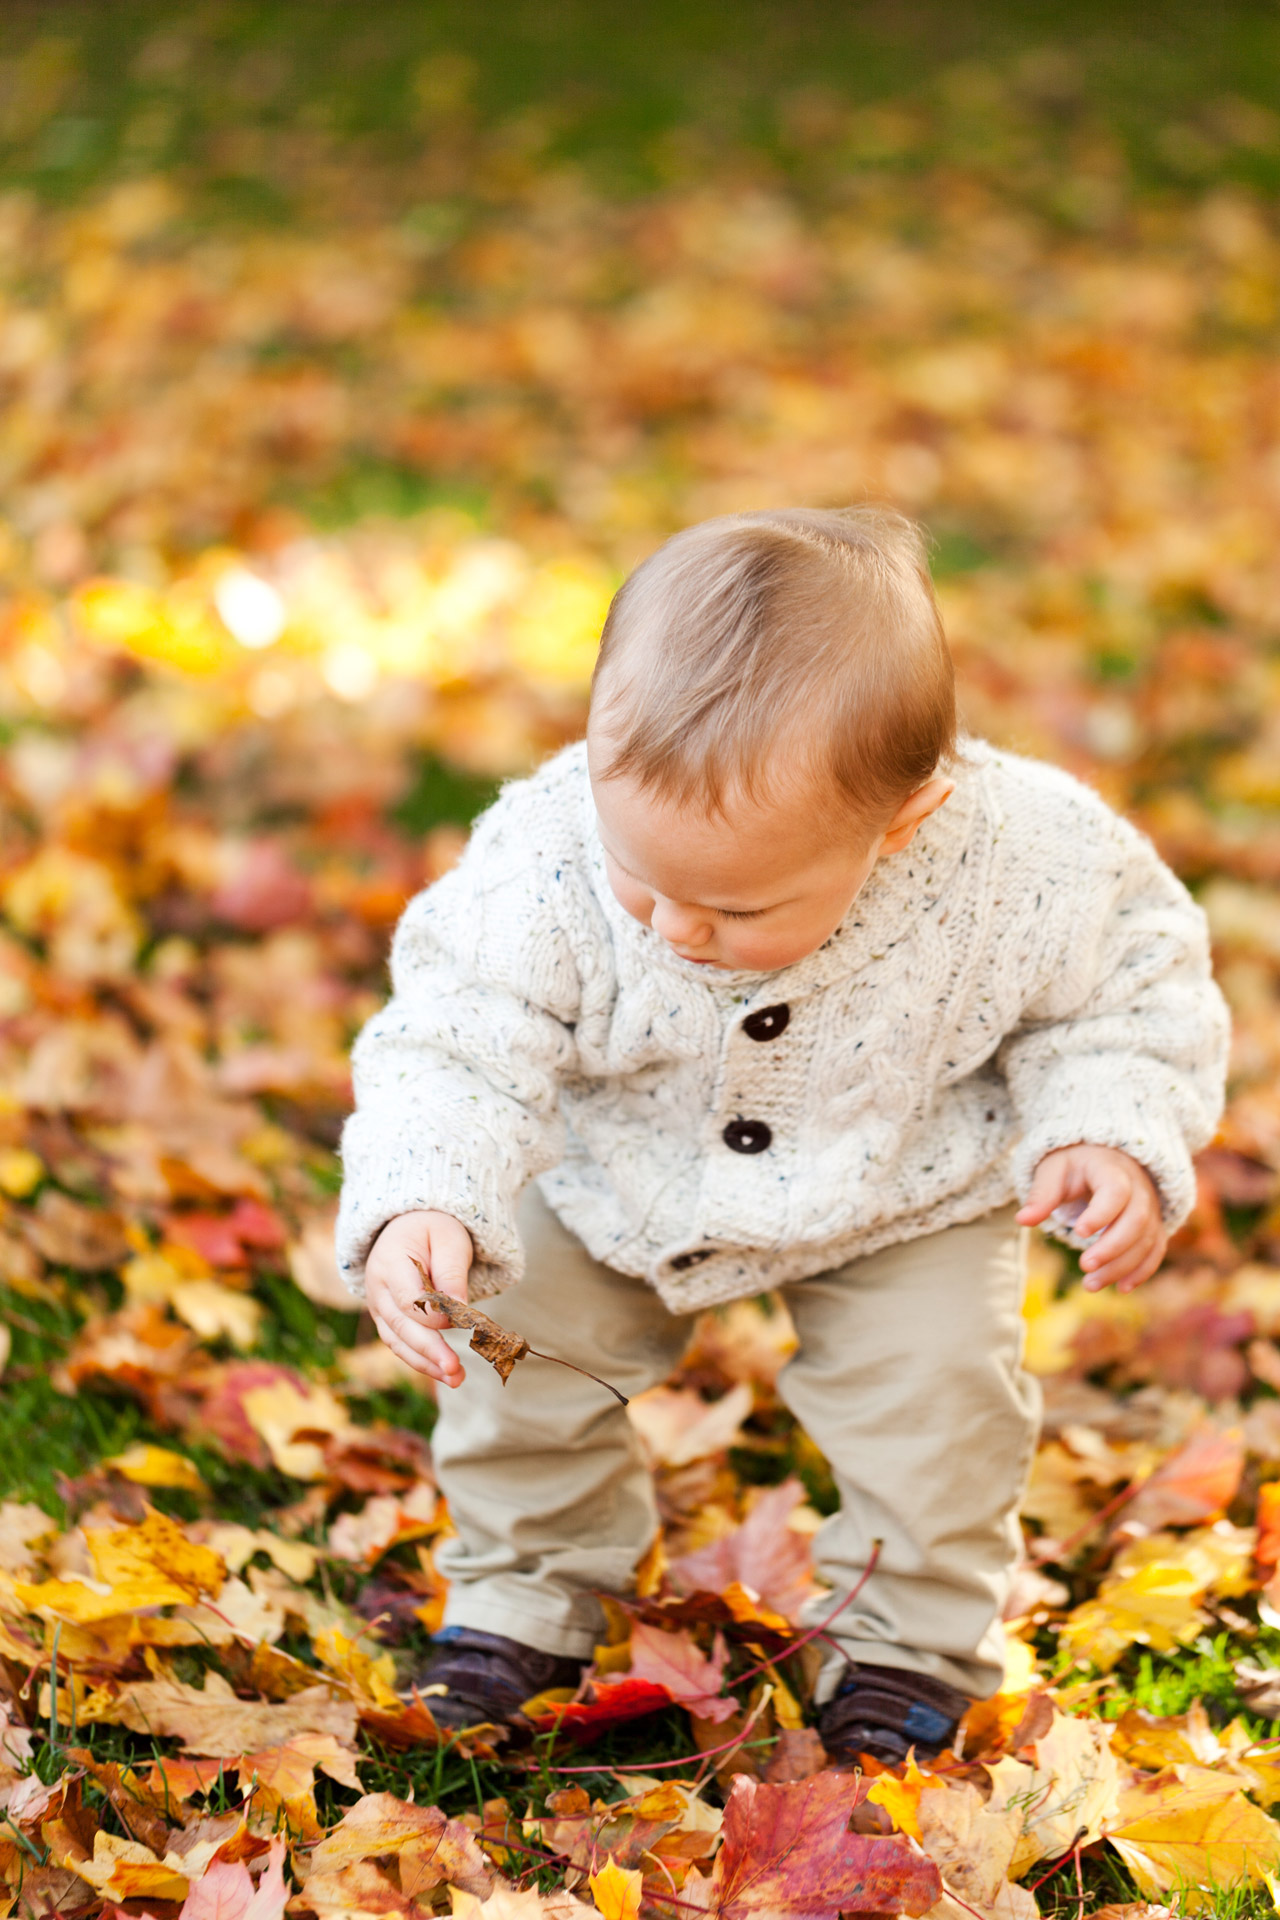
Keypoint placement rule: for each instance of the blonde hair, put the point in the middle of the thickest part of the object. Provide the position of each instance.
(797, 641)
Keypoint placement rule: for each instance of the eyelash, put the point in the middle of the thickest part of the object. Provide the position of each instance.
(725, 914)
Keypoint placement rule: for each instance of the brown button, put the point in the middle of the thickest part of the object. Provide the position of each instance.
(767, 1024)
(747, 1136)
(681, 1262)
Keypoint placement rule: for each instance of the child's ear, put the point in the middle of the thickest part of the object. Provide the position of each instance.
(914, 811)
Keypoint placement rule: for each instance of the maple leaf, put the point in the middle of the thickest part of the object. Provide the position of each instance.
(972, 1844)
(225, 1891)
(1196, 1482)
(1193, 1842)
(504, 1903)
(290, 1418)
(147, 1465)
(1066, 1798)
(673, 1661)
(788, 1851)
(900, 1795)
(677, 1426)
(432, 1848)
(212, 1720)
(149, 1565)
(126, 1870)
(617, 1891)
(765, 1556)
(358, 1891)
(609, 1703)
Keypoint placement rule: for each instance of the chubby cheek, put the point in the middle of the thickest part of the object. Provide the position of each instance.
(630, 895)
(761, 950)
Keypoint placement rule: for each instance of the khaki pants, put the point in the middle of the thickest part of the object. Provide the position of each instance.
(907, 1377)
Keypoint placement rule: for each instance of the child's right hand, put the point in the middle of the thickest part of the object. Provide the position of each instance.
(393, 1283)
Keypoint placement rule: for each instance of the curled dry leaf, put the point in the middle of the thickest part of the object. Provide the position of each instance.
(493, 1343)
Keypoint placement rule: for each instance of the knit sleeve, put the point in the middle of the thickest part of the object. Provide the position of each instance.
(457, 1079)
(1124, 1041)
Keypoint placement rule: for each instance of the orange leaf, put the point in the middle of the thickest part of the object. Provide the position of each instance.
(1197, 1482)
(1267, 1551)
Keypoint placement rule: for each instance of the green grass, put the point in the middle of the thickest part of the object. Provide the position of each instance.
(633, 93)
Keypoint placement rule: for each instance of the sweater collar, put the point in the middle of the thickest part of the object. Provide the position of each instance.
(901, 889)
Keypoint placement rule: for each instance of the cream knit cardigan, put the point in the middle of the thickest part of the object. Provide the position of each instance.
(1025, 975)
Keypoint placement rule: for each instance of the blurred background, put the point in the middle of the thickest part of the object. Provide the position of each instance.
(350, 356)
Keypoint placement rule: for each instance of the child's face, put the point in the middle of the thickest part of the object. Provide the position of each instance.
(756, 887)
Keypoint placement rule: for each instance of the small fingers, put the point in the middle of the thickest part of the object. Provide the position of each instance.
(1122, 1230)
(1129, 1268)
(1112, 1198)
(1048, 1190)
(420, 1346)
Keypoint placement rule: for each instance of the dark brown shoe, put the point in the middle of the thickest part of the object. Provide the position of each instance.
(488, 1677)
(885, 1711)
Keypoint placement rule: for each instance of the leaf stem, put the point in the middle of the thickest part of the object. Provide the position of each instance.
(822, 1625)
(585, 1371)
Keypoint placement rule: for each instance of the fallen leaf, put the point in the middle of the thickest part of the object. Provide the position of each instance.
(971, 1843)
(290, 1417)
(899, 1795)
(126, 1870)
(677, 1426)
(151, 1466)
(788, 1851)
(617, 1891)
(673, 1661)
(212, 1720)
(1196, 1482)
(765, 1556)
(1173, 1843)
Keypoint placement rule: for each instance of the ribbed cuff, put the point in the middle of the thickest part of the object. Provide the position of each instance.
(412, 1178)
(1116, 1105)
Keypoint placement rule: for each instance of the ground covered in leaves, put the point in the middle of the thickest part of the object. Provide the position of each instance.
(346, 366)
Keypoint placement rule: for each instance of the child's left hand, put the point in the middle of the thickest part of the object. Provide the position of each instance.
(1122, 1199)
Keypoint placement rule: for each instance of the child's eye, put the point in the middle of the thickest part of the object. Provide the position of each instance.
(752, 913)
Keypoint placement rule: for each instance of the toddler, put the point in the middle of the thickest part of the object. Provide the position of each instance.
(769, 984)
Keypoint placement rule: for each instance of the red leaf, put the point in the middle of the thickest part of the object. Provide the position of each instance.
(612, 1702)
(211, 1235)
(261, 889)
(256, 1226)
(788, 1851)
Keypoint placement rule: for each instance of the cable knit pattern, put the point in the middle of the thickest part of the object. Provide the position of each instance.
(1025, 975)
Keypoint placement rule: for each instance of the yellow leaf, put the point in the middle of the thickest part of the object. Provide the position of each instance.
(216, 1312)
(21, 1172)
(1174, 1841)
(157, 1545)
(149, 1466)
(616, 1891)
(901, 1798)
(280, 1411)
(375, 1678)
(1070, 1793)
(1156, 1607)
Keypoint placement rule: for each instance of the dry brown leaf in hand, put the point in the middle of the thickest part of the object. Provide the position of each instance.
(493, 1343)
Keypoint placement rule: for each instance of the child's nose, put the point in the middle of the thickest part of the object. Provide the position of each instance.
(682, 926)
